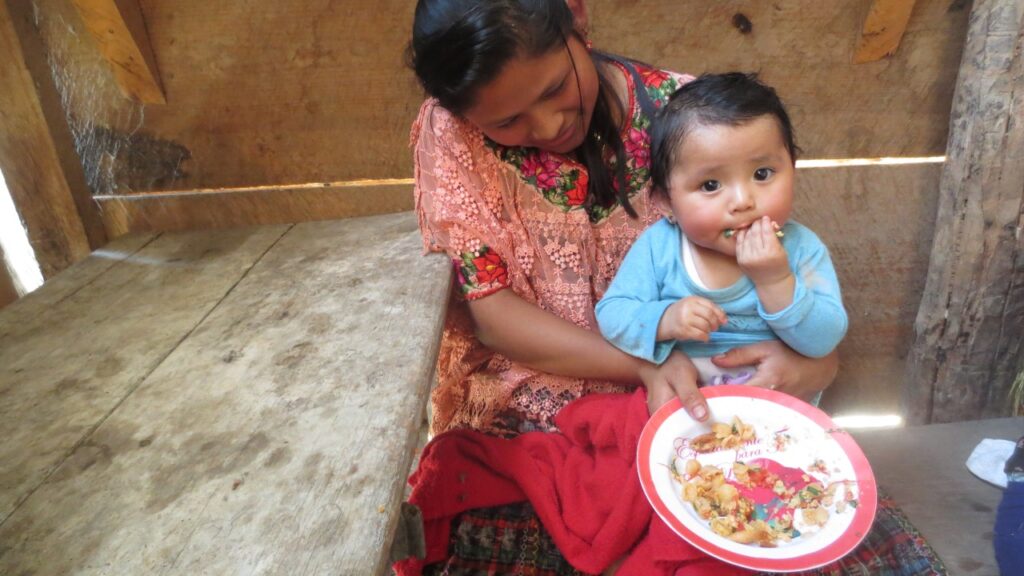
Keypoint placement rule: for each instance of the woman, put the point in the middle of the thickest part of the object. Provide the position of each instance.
(532, 174)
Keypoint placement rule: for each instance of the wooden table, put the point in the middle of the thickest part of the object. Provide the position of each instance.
(220, 402)
(923, 469)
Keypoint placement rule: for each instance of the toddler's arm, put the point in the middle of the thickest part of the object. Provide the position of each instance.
(763, 258)
(631, 309)
(815, 322)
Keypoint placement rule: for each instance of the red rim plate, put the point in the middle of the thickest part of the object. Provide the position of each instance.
(704, 539)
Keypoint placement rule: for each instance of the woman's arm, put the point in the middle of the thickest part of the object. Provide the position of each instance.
(525, 333)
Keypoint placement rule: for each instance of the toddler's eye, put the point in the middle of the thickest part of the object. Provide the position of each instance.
(762, 174)
(710, 186)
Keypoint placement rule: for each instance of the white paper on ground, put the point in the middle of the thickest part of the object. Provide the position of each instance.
(988, 460)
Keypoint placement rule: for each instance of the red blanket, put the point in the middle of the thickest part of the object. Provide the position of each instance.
(582, 483)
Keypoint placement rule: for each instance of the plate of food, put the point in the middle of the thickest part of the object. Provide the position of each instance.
(769, 482)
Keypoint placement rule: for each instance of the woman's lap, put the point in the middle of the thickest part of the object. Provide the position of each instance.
(511, 540)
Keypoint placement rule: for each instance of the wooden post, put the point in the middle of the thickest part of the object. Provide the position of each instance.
(37, 154)
(8, 288)
(969, 333)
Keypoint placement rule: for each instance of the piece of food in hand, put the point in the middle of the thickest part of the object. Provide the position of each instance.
(729, 233)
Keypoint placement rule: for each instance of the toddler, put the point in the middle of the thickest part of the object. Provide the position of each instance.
(726, 267)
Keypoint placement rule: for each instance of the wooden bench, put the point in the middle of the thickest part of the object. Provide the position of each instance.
(923, 469)
(223, 402)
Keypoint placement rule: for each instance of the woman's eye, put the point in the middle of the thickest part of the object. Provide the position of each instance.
(710, 186)
(507, 123)
(762, 174)
(554, 91)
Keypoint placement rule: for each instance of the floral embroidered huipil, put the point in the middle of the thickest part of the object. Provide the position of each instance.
(514, 218)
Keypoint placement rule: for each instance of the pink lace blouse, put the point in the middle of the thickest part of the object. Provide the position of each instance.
(513, 218)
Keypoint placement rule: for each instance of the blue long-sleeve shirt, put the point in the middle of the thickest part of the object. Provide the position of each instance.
(652, 277)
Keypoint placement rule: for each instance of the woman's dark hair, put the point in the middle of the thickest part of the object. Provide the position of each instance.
(459, 46)
(730, 99)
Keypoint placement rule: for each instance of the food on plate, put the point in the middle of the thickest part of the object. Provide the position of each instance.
(759, 501)
(723, 437)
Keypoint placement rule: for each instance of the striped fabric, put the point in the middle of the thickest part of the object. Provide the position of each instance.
(511, 540)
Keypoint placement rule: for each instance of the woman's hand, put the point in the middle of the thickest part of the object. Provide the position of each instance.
(782, 369)
(676, 377)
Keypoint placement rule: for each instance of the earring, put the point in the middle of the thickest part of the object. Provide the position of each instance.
(671, 219)
(589, 44)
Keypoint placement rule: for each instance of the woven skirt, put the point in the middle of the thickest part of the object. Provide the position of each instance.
(511, 540)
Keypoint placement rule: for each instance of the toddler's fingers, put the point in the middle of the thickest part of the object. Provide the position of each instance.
(719, 314)
(710, 317)
(697, 330)
(761, 232)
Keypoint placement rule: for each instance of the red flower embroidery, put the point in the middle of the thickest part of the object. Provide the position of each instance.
(543, 167)
(578, 194)
(652, 77)
(638, 147)
(490, 268)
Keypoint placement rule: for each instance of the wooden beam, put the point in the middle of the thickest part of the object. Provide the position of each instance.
(969, 336)
(120, 31)
(190, 210)
(883, 29)
(37, 156)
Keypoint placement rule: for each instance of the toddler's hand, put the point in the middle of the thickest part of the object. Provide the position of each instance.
(760, 253)
(693, 318)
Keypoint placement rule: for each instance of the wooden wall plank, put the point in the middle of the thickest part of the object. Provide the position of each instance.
(969, 333)
(883, 29)
(119, 29)
(278, 93)
(43, 172)
(896, 107)
(245, 207)
(875, 221)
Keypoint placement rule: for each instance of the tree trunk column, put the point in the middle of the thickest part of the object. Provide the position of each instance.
(970, 326)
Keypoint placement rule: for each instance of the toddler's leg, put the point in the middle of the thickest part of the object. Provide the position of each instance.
(711, 375)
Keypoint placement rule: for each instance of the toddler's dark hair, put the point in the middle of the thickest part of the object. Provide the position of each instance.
(730, 99)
